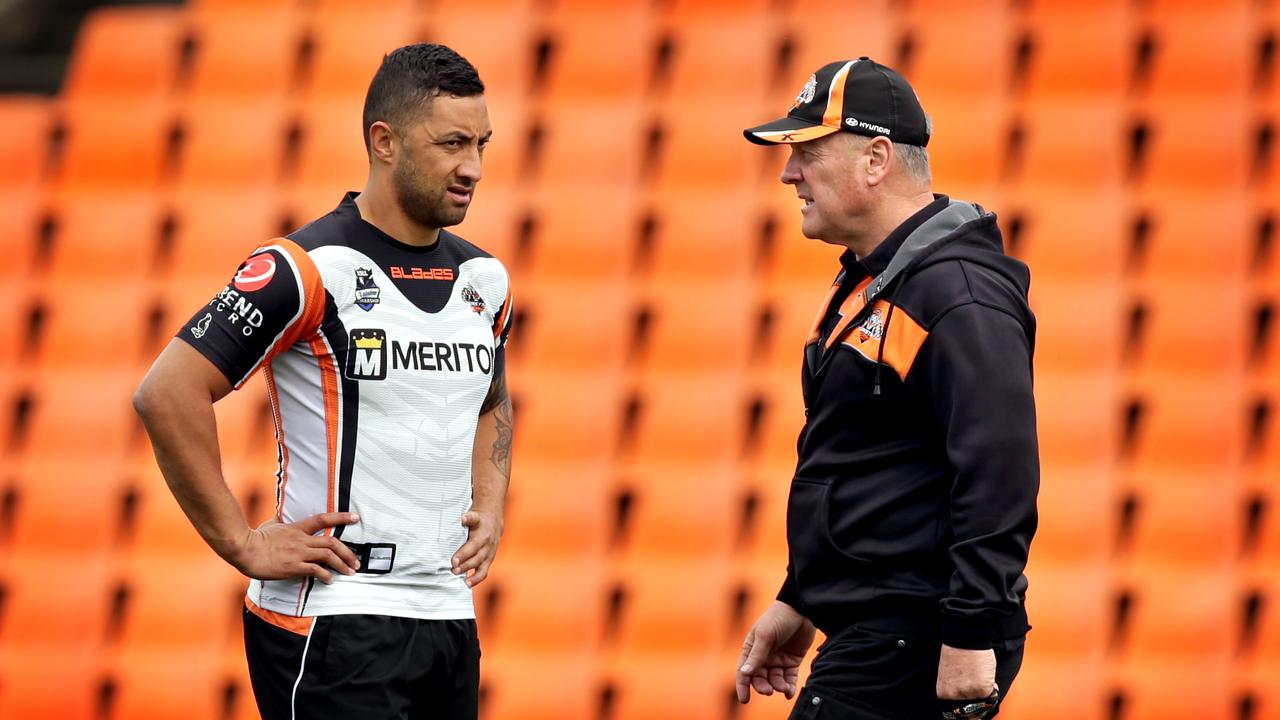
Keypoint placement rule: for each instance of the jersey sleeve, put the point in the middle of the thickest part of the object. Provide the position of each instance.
(274, 299)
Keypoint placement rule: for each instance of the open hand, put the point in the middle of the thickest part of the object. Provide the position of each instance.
(484, 530)
(276, 550)
(772, 653)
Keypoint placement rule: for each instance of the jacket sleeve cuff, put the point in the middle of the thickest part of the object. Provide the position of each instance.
(968, 632)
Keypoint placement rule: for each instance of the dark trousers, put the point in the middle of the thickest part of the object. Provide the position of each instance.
(365, 666)
(862, 673)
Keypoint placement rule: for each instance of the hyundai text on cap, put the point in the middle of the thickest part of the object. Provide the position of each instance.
(858, 96)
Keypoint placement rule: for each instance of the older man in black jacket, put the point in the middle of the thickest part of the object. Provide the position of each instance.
(913, 505)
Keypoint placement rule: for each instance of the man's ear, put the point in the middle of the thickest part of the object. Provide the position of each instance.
(382, 142)
(878, 155)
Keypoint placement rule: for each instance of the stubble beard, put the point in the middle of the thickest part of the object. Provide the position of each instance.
(422, 205)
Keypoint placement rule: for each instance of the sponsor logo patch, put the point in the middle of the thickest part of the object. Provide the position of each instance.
(417, 273)
(255, 273)
(368, 293)
(202, 327)
(472, 298)
(370, 354)
(367, 355)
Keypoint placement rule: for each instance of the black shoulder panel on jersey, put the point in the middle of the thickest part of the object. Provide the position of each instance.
(240, 327)
(425, 275)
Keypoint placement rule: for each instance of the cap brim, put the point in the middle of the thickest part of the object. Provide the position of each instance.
(786, 131)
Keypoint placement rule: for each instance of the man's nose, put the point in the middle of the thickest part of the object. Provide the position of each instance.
(470, 168)
(791, 171)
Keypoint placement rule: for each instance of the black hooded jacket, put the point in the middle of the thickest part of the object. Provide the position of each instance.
(915, 491)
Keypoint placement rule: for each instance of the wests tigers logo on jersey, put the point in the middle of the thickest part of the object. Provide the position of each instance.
(472, 298)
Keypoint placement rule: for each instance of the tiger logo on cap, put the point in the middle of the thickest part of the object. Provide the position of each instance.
(807, 92)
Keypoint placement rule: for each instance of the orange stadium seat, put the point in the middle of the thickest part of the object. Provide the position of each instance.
(1192, 524)
(698, 231)
(333, 156)
(493, 223)
(592, 62)
(559, 513)
(1197, 430)
(697, 422)
(1078, 54)
(76, 323)
(57, 600)
(564, 418)
(552, 340)
(21, 215)
(244, 52)
(1079, 252)
(1200, 54)
(1070, 605)
(102, 239)
(1176, 314)
(232, 144)
(548, 609)
(939, 68)
(350, 43)
(968, 148)
(1173, 162)
(532, 687)
(1079, 416)
(1079, 515)
(507, 67)
(710, 46)
(824, 31)
(682, 344)
(578, 137)
(65, 502)
(38, 682)
(577, 241)
(1175, 251)
(658, 639)
(680, 515)
(799, 268)
(1079, 327)
(190, 685)
(1042, 690)
(61, 409)
(214, 233)
(25, 124)
(711, 153)
(126, 52)
(791, 318)
(115, 144)
(773, 452)
(1077, 146)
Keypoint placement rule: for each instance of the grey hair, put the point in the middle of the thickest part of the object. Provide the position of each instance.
(915, 161)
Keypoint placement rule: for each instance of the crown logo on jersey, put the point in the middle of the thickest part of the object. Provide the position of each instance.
(472, 298)
(368, 293)
(368, 339)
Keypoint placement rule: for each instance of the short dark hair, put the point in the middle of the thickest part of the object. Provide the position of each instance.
(412, 75)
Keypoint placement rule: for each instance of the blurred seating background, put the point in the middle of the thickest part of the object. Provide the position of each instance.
(663, 294)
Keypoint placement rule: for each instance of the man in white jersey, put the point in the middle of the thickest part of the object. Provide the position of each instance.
(381, 337)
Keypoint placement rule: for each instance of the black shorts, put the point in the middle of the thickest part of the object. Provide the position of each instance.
(364, 666)
(863, 673)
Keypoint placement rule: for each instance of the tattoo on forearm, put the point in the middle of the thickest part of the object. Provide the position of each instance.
(501, 455)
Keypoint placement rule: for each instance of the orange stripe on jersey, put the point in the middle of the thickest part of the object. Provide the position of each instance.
(329, 380)
(815, 333)
(852, 304)
(501, 322)
(308, 322)
(298, 625)
(902, 345)
(273, 397)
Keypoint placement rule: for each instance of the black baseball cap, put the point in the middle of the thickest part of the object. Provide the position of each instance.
(858, 96)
